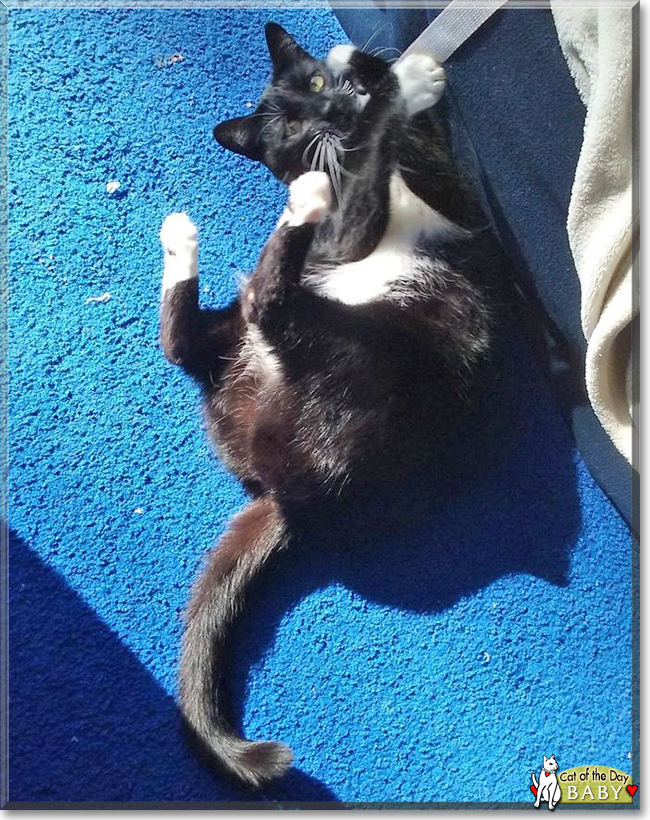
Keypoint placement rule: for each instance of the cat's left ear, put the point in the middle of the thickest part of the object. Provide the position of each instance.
(283, 48)
(241, 135)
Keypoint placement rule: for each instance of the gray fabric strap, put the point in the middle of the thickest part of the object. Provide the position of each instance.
(455, 24)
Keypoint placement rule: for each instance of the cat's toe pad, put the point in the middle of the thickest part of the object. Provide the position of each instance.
(422, 81)
(338, 60)
(310, 198)
(178, 235)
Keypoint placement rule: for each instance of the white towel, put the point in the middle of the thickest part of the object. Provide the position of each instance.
(597, 45)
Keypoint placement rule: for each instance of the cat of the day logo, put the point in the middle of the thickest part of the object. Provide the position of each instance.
(581, 786)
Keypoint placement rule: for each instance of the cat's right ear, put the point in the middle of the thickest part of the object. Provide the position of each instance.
(283, 48)
(241, 135)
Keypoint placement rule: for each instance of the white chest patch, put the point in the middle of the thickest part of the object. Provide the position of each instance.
(393, 263)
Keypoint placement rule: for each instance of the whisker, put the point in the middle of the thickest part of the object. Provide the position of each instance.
(334, 171)
(347, 173)
(377, 51)
(372, 36)
(263, 114)
(269, 123)
(351, 150)
(304, 153)
(316, 157)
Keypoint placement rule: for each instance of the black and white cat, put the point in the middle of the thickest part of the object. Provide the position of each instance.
(350, 353)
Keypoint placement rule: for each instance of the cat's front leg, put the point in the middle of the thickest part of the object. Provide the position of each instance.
(365, 73)
(198, 340)
(180, 287)
(422, 82)
(421, 79)
(277, 276)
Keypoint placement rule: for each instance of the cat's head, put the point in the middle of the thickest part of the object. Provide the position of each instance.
(550, 763)
(304, 115)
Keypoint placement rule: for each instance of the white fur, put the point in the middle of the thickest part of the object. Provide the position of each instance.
(312, 194)
(392, 267)
(310, 198)
(178, 236)
(262, 361)
(421, 81)
(338, 59)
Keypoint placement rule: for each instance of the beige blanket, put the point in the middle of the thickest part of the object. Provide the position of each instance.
(597, 45)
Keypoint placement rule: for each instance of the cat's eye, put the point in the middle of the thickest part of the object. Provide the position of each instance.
(293, 127)
(317, 83)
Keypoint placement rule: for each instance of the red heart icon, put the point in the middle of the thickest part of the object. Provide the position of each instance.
(533, 790)
(632, 789)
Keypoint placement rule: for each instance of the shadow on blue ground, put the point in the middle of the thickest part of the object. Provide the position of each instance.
(100, 728)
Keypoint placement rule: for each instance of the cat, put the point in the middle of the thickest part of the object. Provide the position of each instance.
(349, 357)
(548, 788)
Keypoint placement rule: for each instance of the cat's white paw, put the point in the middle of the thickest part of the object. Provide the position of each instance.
(338, 59)
(422, 81)
(310, 198)
(178, 235)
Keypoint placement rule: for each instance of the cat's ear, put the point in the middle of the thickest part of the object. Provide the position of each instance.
(545, 760)
(282, 47)
(241, 135)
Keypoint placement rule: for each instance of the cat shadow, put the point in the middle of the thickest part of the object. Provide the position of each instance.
(507, 504)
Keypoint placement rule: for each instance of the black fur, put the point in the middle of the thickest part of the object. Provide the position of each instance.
(365, 392)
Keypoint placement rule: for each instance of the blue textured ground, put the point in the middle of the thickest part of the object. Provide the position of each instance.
(367, 656)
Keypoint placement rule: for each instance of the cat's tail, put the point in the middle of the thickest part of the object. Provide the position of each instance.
(534, 779)
(253, 535)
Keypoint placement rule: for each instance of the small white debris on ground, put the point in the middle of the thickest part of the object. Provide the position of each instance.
(249, 105)
(112, 186)
(165, 62)
(103, 298)
(138, 511)
(485, 657)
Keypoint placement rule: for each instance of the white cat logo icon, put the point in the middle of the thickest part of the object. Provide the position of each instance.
(548, 789)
